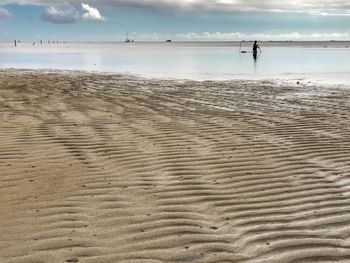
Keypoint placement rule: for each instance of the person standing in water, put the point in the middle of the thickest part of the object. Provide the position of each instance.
(255, 49)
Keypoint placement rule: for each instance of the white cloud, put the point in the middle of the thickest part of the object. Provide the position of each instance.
(60, 15)
(238, 36)
(91, 13)
(66, 13)
(315, 7)
(4, 14)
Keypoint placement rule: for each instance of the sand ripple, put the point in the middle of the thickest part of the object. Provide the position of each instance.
(117, 169)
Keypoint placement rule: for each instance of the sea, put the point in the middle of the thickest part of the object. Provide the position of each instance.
(308, 62)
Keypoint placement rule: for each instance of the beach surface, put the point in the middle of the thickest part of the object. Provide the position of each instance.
(111, 168)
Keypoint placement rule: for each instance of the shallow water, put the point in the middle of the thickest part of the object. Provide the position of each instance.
(324, 62)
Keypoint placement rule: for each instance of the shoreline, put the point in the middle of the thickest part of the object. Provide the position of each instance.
(297, 81)
(116, 168)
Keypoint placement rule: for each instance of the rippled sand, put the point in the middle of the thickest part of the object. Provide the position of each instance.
(98, 168)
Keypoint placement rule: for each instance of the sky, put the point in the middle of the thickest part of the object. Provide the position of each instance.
(158, 20)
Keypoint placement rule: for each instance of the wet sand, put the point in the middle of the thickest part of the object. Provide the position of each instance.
(108, 168)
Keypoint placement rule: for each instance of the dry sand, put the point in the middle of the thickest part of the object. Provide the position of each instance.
(98, 168)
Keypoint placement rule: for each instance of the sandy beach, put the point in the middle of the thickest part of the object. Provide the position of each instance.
(112, 168)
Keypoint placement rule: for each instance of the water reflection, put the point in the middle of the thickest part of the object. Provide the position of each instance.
(255, 56)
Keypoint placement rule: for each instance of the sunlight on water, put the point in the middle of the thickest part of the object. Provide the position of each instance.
(316, 62)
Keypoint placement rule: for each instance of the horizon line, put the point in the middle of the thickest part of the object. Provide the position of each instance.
(162, 41)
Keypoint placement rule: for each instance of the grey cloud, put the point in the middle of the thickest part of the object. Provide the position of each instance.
(60, 15)
(311, 6)
(4, 13)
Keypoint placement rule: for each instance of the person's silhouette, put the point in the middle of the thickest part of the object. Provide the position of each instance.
(256, 47)
(255, 50)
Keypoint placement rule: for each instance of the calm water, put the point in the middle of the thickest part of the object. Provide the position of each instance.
(315, 62)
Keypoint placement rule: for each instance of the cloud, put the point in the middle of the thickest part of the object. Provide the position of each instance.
(91, 13)
(60, 15)
(314, 7)
(238, 36)
(66, 13)
(264, 37)
(4, 14)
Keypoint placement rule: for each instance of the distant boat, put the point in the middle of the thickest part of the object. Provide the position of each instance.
(169, 41)
(240, 48)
